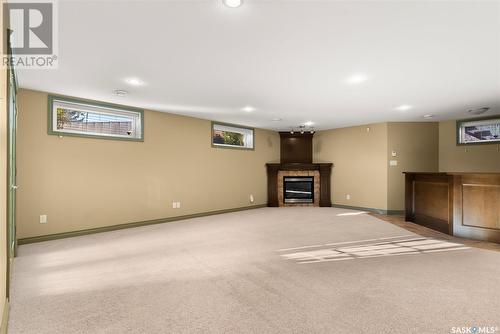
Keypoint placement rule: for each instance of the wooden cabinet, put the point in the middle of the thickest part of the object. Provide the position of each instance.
(461, 204)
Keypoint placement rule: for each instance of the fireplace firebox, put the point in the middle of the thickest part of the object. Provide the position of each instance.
(298, 189)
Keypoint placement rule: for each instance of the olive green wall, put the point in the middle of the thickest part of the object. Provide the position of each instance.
(361, 157)
(360, 165)
(83, 183)
(416, 147)
(469, 158)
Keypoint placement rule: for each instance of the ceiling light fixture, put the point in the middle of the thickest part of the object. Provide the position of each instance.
(404, 107)
(120, 92)
(233, 3)
(309, 123)
(134, 81)
(428, 116)
(248, 109)
(357, 78)
(303, 128)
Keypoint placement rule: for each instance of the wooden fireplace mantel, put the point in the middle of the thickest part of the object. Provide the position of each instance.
(325, 170)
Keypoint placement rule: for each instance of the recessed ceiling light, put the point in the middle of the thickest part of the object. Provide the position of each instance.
(357, 78)
(428, 116)
(233, 3)
(120, 92)
(248, 109)
(134, 81)
(308, 123)
(277, 119)
(404, 107)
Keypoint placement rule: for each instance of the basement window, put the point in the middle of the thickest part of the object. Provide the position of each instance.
(478, 131)
(232, 136)
(73, 117)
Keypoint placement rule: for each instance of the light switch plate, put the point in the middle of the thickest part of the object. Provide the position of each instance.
(43, 219)
(393, 163)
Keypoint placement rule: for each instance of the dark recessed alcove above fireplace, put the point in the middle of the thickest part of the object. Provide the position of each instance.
(308, 183)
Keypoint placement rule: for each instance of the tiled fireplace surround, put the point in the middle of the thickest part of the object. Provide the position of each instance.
(320, 171)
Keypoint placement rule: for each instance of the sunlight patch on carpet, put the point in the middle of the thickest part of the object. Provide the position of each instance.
(371, 249)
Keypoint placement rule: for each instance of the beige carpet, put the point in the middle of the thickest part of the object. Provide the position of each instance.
(292, 270)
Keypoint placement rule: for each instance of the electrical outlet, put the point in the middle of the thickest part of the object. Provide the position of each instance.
(174, 205)
(43, 219)
(347, 196)
(251, 198)
(178, 205)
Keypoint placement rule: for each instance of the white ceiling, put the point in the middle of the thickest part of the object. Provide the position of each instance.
(287, 58)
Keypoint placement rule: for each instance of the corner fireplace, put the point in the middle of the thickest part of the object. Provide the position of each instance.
(298, 189)
(296, 180)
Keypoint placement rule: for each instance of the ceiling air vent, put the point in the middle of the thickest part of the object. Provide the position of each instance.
(478, 111)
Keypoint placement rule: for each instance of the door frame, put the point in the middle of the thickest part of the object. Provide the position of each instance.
(11, 158)
(11, 108)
